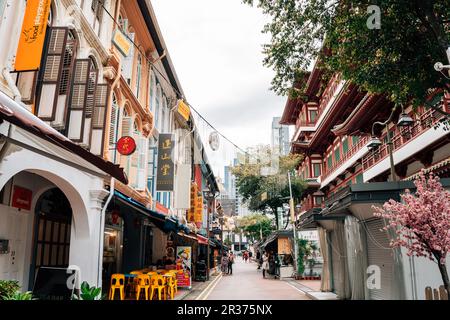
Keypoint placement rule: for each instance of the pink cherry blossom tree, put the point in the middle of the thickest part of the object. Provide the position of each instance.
(421, 221)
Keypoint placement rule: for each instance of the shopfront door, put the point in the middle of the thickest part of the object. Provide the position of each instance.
(52, 232)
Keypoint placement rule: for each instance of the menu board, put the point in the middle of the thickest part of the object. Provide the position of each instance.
(184, 263)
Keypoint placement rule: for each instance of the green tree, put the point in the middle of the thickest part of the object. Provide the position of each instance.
(269, 191)
(396, 59)
(255, 225)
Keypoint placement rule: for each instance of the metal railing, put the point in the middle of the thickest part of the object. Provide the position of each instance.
(403, 135)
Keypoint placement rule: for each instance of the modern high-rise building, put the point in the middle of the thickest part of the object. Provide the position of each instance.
(280, 137)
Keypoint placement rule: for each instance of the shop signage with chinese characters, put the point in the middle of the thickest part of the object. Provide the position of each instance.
(21, 198)
(184, 110)
(198, 212)
(191, 211)
(165, 175)
(126, 146)
(31, 42)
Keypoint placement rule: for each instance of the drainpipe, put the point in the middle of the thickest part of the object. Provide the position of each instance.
(102, 231)
(7, 75)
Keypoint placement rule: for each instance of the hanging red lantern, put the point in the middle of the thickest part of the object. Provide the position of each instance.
(126, 146)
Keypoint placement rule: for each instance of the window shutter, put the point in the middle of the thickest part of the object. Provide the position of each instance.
(126, 131)
(126, 126)
(113, 134)
(68, 65)
(78, 100)
(51, 73)
(143, 163)
(99, 119)
(127, 63)
(90, 104)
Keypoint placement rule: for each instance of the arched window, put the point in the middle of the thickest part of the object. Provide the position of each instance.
(138, 75)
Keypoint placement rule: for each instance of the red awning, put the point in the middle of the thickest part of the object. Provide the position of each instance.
(202, 239)
(14, 113)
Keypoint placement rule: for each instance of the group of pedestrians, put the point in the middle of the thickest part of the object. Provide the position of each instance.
(227, 262)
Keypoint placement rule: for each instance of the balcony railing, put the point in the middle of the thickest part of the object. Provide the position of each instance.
(402, 136)
(354, 149)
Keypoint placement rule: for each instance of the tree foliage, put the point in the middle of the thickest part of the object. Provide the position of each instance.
(269, 191)
(421, 221)
(396, 59)
(256, 225)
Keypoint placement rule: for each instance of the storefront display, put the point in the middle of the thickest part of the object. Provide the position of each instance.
(184, 262)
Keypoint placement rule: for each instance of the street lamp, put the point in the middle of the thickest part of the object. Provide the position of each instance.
(404, 121)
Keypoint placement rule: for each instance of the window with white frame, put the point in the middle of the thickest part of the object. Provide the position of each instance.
(137, 90)
(113, 129)
(157, 106)
(97, 9)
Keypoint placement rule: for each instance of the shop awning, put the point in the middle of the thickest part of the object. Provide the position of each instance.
(158, 219)
(202, 239)
(14, 113)
(192, 237)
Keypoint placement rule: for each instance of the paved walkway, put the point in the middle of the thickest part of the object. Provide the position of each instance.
(247, 283)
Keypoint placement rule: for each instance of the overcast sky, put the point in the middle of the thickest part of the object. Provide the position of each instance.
(216, 49)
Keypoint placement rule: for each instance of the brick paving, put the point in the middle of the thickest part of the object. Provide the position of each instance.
(247, 283)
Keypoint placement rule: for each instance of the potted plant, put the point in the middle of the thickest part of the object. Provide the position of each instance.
(89, 293)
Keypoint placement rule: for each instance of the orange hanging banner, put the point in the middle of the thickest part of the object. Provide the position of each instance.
(31, 42)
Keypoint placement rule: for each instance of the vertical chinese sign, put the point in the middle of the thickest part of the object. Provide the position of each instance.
(191, 211)
(165, 175)
(184, 264)
(31, 42)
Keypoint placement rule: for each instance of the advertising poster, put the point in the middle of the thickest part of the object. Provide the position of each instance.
(184, 262)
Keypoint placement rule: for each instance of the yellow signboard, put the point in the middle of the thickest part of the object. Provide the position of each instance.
(121, 42)
(284, 246)
(184, 110)
(31, 42)
(198, 213)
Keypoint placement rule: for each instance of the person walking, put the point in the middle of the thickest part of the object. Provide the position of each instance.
(224, 262)
(230, 263)
(265, 264)
(258, 259)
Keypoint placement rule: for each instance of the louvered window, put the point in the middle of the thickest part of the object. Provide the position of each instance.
(113, 129)
(51, 74)
(78, 99)
(99, 119)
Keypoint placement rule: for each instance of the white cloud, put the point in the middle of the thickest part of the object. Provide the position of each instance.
(216, 49)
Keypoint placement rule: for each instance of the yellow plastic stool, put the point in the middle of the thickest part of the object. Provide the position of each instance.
(171, 287)
(158, 283)
(117, 282)
(142, 282)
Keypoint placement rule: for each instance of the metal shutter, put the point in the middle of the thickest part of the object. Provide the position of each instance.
(379, 253)
(336, 264)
